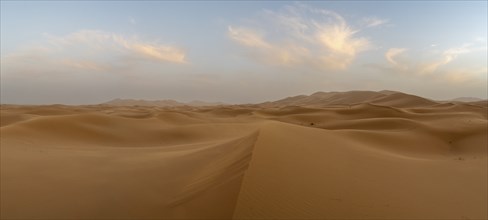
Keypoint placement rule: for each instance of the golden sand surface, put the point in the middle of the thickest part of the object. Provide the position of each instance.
(392, 158)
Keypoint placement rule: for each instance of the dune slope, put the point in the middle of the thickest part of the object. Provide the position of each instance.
(307, 173)
(92, 166)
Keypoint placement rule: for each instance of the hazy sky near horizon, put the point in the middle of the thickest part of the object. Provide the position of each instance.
(81, 52)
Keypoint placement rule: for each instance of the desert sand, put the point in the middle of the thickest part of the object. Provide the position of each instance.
(349, 155)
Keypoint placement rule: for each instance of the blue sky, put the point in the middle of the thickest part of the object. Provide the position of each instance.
(78, 52)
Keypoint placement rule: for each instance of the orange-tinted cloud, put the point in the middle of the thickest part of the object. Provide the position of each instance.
(115, 44)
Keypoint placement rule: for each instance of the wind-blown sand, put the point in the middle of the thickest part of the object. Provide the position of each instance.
(379, 158)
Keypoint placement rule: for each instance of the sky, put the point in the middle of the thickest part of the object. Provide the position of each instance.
(87, 52)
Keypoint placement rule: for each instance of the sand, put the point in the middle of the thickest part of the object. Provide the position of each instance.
(379, 159)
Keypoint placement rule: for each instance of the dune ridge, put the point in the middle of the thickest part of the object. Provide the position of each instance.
(352, 155)
(322, 99)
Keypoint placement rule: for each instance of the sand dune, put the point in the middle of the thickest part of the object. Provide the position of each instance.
(159, 103)
(356, 155)
(466, 99)
(321, 99)
(483, 103)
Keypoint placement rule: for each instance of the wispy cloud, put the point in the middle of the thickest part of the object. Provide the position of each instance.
(88, 51)
(448, 56)
(302, 36)
(341, 44)
(159, 52)
(88, 41)
(374, 21)
(284, 54)
(248, 37)
(392, 53)
(433, 66)
(94, 58)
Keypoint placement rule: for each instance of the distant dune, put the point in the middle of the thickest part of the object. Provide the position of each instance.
(158, 103)
(330, 155)
(483, 103)
(467, 99)
(322, 99)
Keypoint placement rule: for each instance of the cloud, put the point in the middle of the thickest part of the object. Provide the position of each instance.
(429, 65)
(434, 67)
(86, 52)
(448, 56)
(301, 35)
(285, 54)
(339, 39)
(374, 21)
(341, 45)
(392, 53)
(85, 42)
(248, 37)
(159, 52)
